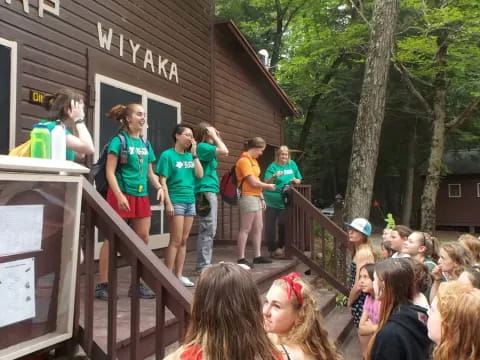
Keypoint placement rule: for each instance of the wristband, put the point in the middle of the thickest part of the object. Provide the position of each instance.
(195, 157)
(79, 121)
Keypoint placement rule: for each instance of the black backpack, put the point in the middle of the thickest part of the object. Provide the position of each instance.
(98, 170)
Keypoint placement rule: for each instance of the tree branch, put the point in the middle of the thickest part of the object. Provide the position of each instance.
(408, 81)
(460, 119)
(293, 13)
(361, 14)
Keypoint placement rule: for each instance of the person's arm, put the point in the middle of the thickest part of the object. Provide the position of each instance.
(253, 181)
(437, 279)
(298, 177)
(366, 327)
(198, 169)
(222, 149)
(83, 144)
(153, 178)
(110, 167)
(168, 203)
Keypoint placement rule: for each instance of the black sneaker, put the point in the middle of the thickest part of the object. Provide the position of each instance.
(244, 262)
(145, 292)
(262, 260)
(101, 291)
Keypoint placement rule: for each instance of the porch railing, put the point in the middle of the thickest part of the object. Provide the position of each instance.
(316, 240)
(143, 264)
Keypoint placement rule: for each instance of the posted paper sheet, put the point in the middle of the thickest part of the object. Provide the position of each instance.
(21, 230)
(17, 289)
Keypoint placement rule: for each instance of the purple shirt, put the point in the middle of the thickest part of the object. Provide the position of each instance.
(372, 308)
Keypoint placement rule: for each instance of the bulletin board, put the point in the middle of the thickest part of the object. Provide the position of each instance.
(38, 259)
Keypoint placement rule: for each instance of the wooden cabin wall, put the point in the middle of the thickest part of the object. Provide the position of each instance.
(53, 50)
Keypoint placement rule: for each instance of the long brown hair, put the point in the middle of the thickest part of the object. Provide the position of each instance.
(395, 277)
(459, 308)
(308, 333)
(227, 320)
(459, 254)
(121, 112)
(58, 102)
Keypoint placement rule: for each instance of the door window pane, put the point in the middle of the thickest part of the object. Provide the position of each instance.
(109, 97)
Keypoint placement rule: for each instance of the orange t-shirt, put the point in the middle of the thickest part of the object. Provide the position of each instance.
(245, 166)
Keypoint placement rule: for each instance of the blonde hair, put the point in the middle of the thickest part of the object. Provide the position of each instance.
(281, 149)
(473, 245)
(459, 255)
(308, 333)
(459, 308)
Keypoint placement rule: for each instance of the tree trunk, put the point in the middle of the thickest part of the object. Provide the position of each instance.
(409, 178)
(432, 181)
(366, 136)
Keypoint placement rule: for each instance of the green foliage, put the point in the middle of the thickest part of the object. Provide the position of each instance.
(322, 51)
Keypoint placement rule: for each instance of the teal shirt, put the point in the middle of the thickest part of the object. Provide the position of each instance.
(289, 172)
(208, 158)
(179, 170)
(70, 155)
(133, 175)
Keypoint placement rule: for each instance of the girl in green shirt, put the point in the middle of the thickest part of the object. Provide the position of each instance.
(281, 172)
(178, 167)
(127, 173)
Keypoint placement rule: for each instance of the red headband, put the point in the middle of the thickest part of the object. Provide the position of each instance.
(293, 286)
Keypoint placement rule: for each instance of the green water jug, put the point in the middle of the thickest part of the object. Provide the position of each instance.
(40, 142)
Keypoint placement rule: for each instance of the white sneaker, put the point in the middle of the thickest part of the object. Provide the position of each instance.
(186, 281)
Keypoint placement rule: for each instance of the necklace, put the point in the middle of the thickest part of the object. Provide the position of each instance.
(140, 159)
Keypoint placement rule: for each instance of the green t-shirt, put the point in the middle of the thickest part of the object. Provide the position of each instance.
(179, 170)
(289, 172)
(50, 125)
(132, 176)
(207, 156)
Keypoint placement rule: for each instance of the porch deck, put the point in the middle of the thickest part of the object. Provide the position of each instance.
(263, 274)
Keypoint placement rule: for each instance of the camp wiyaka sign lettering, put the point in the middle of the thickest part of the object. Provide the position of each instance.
(154, 63)
(51, 6)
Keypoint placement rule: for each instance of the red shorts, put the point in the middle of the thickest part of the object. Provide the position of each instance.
(139, 205)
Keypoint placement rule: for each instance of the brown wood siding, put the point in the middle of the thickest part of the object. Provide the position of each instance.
(53, 50)
(462, 211)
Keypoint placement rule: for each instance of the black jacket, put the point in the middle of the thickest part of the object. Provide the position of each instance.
(404, 336)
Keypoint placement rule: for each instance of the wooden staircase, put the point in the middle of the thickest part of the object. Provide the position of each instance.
(337, 319)
(131, 328)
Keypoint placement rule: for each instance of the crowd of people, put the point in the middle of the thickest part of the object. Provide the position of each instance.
(420, 300)
(185, 179)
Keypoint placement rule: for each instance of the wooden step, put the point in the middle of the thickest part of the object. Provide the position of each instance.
(263, 274)
(338, 322)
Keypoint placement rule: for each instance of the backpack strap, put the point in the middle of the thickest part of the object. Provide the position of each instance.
(244, 178)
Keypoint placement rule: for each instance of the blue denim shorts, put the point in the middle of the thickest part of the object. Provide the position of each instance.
(182, 209)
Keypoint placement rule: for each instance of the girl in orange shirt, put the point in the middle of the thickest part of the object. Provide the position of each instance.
(251, 202)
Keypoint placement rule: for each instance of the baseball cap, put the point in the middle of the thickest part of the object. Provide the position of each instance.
(362, 225)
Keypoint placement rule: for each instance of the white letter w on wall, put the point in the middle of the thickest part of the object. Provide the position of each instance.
(104, 39)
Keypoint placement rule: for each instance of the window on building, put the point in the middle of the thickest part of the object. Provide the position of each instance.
(454, 190)
(8, 90)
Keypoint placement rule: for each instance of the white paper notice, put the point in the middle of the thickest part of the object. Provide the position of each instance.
(21, 229)
(17, 289)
